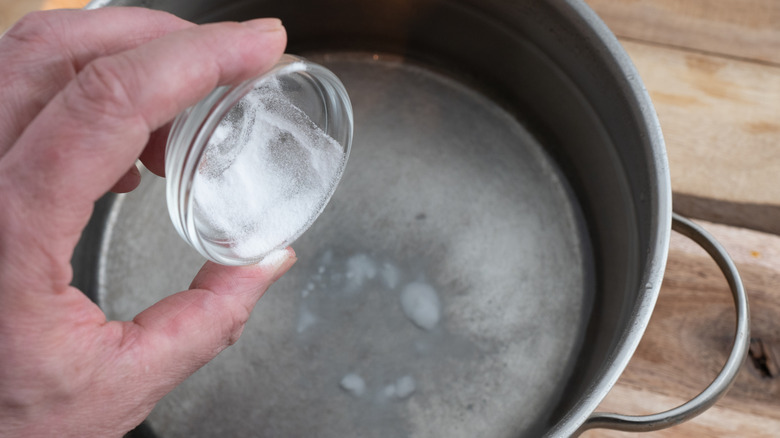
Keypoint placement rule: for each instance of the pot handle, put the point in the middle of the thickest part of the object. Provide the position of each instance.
(722, 383)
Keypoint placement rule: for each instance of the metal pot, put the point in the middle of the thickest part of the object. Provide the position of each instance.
(507, 157)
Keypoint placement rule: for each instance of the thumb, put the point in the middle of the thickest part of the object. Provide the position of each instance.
(182, 332)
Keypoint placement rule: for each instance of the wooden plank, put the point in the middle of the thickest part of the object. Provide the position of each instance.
(739, 28)
(689, 338)
(721, 122)
(717, 422)
(12, 10)
(60, 4)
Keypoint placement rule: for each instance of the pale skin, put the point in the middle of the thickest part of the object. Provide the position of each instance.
(83, 94)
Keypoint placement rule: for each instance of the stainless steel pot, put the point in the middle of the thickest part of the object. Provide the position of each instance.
(506, 156)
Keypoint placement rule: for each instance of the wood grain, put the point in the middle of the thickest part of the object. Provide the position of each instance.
(719, 111)
(12, 10)
(59, 4)
(721, 122)
(717, 422)
(690, 335)
(712, 68)
(739, 28)
(761, 217)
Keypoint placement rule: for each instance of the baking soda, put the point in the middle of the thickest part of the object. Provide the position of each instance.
(421, 305)
(402, 389)
(266, 173)
(353, 384)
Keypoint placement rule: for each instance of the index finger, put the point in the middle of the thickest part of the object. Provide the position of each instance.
(91, 133)
(44, 51)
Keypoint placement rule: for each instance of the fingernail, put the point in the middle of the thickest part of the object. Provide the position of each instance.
(279, 262)
(264, 24)
(135, 172)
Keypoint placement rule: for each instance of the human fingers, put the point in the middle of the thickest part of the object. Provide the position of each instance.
(44, 51)
(66, 369)
(153, 155)
(184, 331)
(87, 137)
(129, 181)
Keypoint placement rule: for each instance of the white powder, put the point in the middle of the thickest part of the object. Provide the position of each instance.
(360, 269)
(402, 388)
(421, 305)
(353, 384)
(405, 387)
(391, 276)
(306, 319)
(274, 258)
(265, 175)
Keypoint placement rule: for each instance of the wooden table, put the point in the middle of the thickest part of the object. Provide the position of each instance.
(712, 68)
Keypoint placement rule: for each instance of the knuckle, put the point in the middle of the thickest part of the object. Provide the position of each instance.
(237, 327)
(101, 91)
(101, 95)
(35, 27)
(235, 335)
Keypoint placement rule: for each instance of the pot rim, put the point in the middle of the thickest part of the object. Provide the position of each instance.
(610, 51)
(606, 44)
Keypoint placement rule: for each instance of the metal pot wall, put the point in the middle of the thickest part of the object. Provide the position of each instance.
(507, 156)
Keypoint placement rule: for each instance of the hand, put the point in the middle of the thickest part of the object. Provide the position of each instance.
(83, 94)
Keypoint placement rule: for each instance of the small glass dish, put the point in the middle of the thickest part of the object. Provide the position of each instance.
(251, 166)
